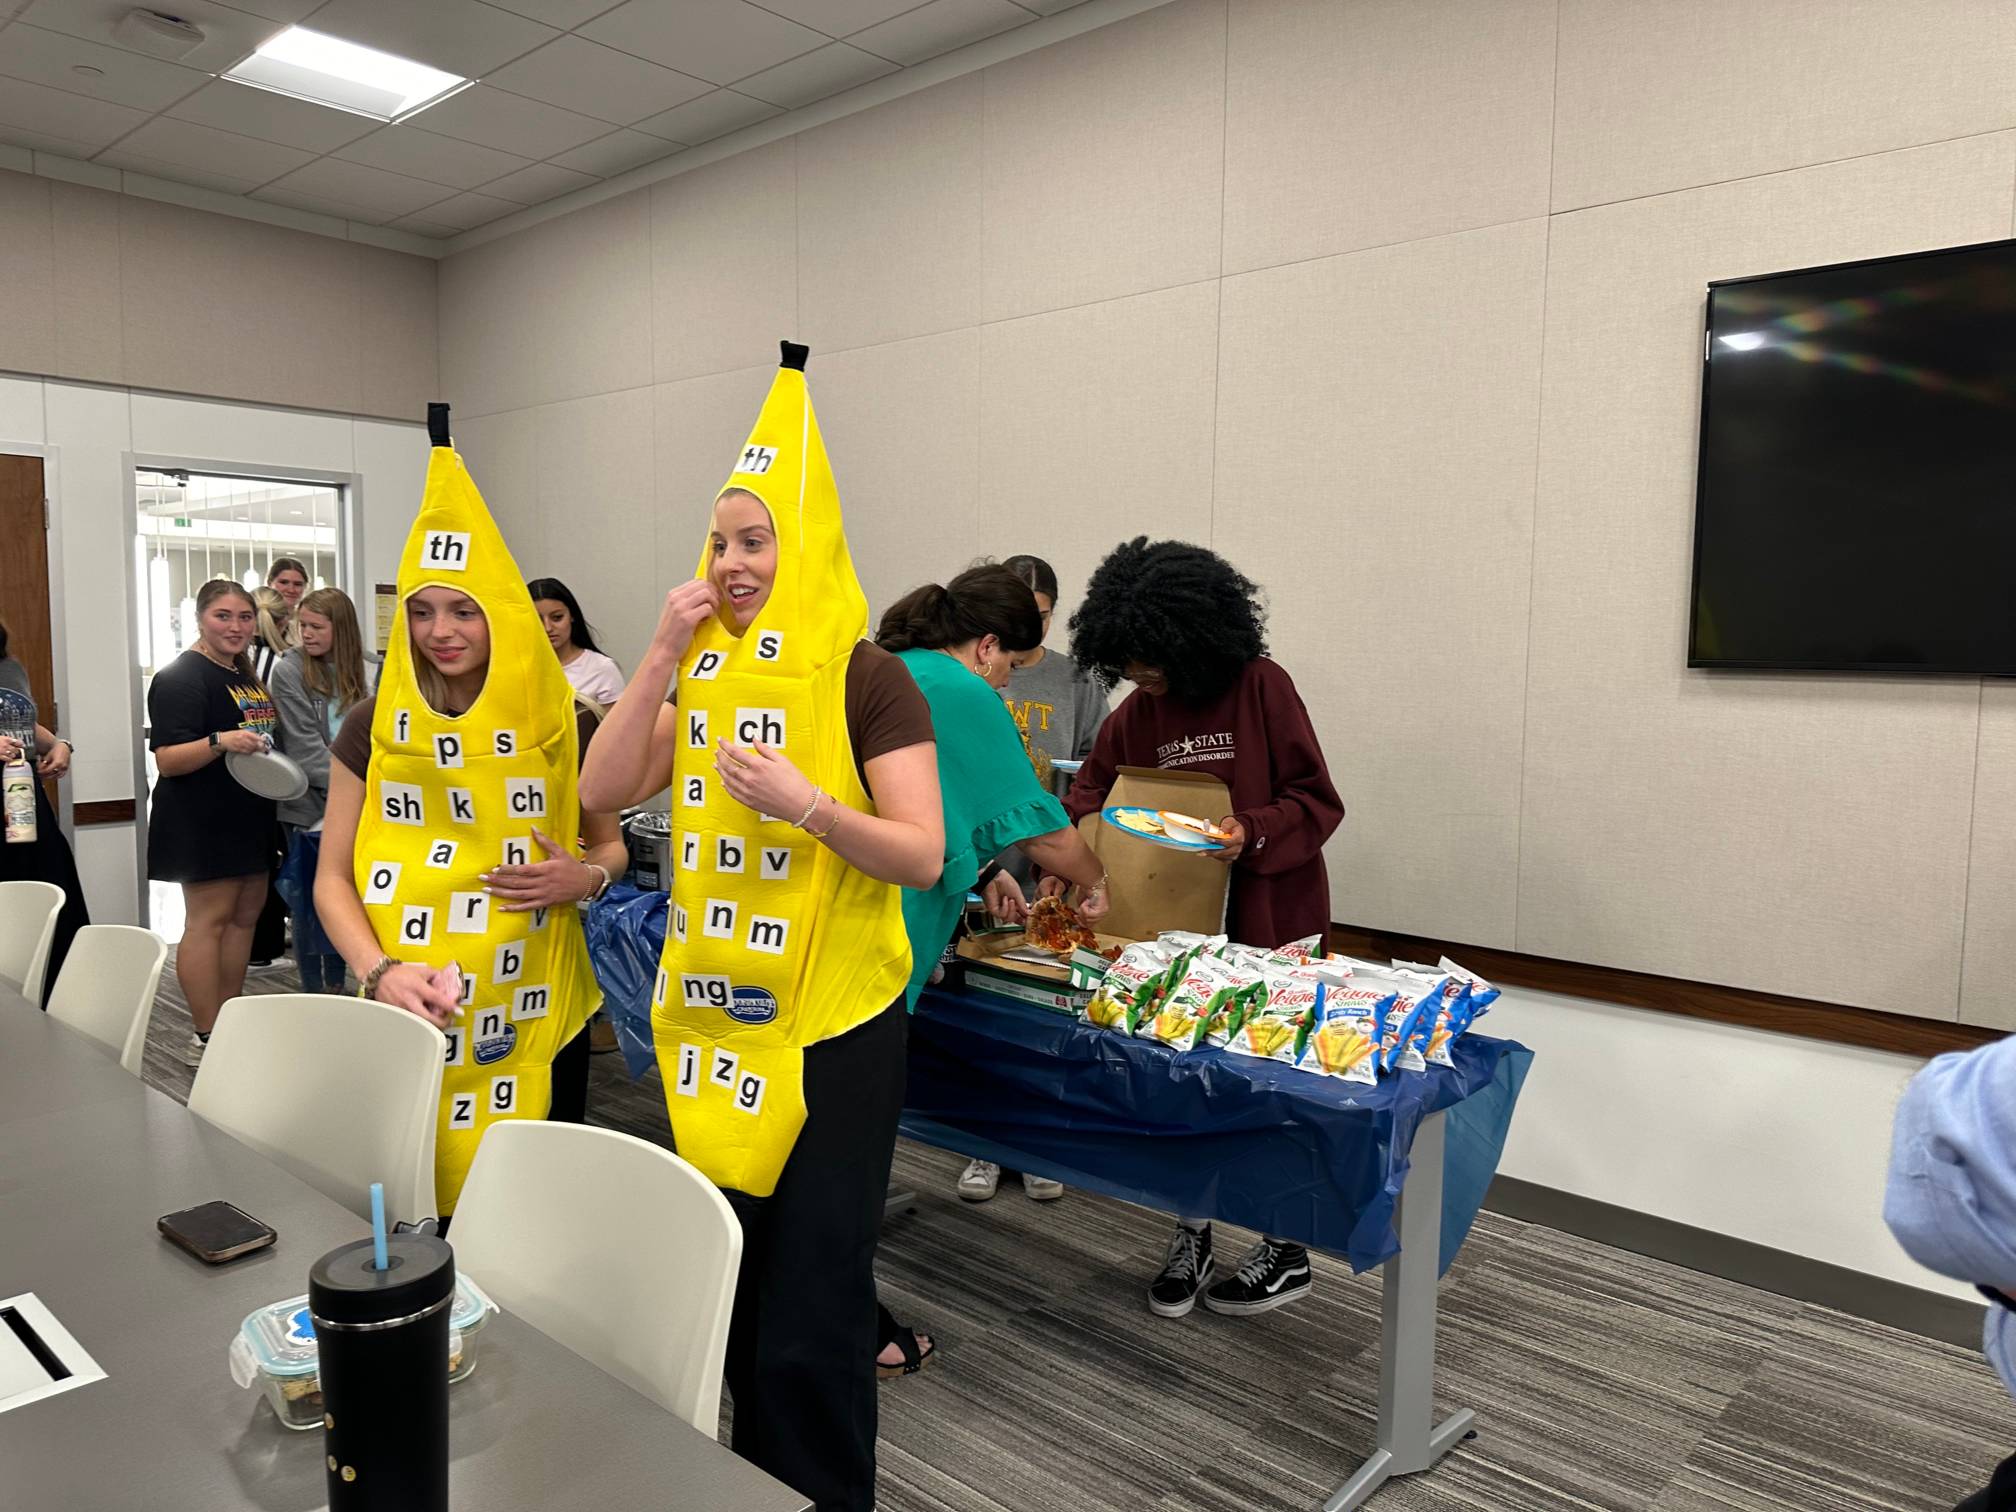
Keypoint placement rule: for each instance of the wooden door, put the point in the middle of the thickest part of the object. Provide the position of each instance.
(24, 580)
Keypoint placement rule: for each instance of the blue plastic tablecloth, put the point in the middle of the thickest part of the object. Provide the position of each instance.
(1203, 1133)
(1200, 1133)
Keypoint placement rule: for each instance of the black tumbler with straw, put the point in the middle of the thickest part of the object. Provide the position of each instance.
(381, 1309)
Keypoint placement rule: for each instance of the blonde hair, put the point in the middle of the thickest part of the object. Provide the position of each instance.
(274, 621)
(340, 674)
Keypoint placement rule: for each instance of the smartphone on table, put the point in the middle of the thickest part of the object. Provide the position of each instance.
(215, 1232)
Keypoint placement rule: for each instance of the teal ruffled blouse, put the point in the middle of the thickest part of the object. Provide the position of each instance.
(991, 796)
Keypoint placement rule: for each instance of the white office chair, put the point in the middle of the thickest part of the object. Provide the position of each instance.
(27, 924)
(339, 1091)
(106, 987)
(617, 1248)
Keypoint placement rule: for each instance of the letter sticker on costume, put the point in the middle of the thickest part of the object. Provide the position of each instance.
(698, 991)
(749, 1093)
(689, 1071)
(776, 863)
(722, 1073)
(503, 1095)
(719, 920)
(447, 750)
(728, 853)
(760, 727)
(402, 803)
(506, 743)
(529, 1003)
(510, 963)
(462, 1110)
(416, 925)
(525, 797)
(382, 882)
(468, 913)
(441, 853)
(768, 935)
(461, 805)
(447, 549)
(696, 729)
(769, 645)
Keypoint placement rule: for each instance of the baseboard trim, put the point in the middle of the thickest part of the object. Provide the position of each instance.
(1951, 1319)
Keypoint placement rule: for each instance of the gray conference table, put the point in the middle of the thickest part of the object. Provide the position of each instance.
(89, 1158)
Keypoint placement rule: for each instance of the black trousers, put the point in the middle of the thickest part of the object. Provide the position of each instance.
(801, 1344)
(1999, 1495)
(570, 1082)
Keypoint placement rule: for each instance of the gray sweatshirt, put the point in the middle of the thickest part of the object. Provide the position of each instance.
(1058, 710)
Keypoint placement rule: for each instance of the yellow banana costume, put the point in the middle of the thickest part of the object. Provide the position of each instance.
(447, 798)
(774, 943)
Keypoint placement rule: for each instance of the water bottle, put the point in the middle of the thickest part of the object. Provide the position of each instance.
(17, 784)
(382, 1338)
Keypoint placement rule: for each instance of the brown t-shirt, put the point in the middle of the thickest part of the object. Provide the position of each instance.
(352, 745)
(885, 713)
(885, 710)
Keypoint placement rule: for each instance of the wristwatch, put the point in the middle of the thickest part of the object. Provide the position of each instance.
(213, 740)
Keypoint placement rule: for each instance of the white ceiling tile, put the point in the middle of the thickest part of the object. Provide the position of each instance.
(565, 14)
(465, 212)
(834, 67)
(708, 117)
(56, 113)
(493, 118)
(938, 28)
(135, 162)
(373, 189)
(933, 30)
(277, 10)
(228, 35)
(123, 78)
(271, 117)
(540, 182)
(718, 40)
(1051, 7)
(317, 205)
(618, 152)
(188, 145)
(28, 138)
(597, 81)
(419, 225)
(459, 35)
(428, 155)
(837, 18)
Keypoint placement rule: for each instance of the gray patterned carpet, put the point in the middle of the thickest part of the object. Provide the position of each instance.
(1600, 1379)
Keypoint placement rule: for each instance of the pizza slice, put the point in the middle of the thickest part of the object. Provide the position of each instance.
(1054, 926)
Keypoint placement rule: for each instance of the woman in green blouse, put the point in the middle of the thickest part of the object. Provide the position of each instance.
(961, 641)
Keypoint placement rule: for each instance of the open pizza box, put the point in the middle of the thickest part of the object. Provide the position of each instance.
(1154, 887)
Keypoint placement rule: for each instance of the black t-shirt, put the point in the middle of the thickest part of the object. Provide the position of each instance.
(203, 825)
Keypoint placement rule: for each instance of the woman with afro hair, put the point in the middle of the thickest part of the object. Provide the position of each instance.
(1187, 629)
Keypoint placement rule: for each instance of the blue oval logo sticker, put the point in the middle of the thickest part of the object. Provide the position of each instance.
(490, 1051)
(752, 1005)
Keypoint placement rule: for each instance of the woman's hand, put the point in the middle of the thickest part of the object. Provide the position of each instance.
(763, 780)
(245, 742)
(419, 990)
(57, 762)
(541, 884)
(1228, 850)
(1005, 899)
(1094, 902)
(1052, 886)
(685, 607)
(10, 748)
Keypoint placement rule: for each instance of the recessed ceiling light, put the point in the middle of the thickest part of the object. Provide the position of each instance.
(311, 65)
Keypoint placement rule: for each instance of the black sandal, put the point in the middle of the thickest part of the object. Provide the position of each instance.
(915, 1358)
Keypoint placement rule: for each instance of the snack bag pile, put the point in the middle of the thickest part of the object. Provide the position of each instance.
(1335, 1016)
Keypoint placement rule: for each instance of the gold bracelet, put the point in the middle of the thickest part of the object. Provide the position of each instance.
(839, 808)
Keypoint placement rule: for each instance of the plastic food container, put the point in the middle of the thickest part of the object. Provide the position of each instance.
(275, 1350)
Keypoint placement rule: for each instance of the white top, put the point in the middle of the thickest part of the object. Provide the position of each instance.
(596, 676)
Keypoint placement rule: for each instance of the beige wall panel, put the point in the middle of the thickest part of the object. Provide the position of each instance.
(724, 263)
(27, 310)
(902, 426)
(595, 497)
(397, 376)
(1357, 123)
(1105, 162)
(489, 299)
(593, 317)
(889, 220)
(1988, 967)
(1656, 95)
(1386, 504)
(700, 427)
(276, 310)
(1096, 426)
(90, 343)
(1764, 831)
(501, 452)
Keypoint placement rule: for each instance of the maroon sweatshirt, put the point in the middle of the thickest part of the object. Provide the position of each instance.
(1257, 740)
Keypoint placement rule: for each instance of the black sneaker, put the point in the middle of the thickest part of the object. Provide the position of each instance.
(1185, 1272)
(1273, 1275)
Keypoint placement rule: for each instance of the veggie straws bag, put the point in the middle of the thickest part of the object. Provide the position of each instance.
(1128, 991)
(1278, 1028)
(1343, 1042)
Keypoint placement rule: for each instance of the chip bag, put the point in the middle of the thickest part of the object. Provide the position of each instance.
(1247, 988)
(1343, 1041)
(1126, 994)
(1184, 1014)
(1481, 993)
(1277, 1026)
(1303, 950)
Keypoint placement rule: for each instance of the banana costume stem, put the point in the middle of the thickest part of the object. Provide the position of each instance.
(774, 942)
(449, 796)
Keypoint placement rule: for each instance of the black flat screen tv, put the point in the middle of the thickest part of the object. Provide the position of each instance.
(1855, 505)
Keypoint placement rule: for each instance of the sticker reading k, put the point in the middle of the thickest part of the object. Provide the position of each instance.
(756, 459)
(447, 549)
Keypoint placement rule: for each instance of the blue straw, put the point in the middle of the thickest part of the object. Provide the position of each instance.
(378, 1256)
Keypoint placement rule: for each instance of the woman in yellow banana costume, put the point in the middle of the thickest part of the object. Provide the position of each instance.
(452, 831)
(804, 794)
